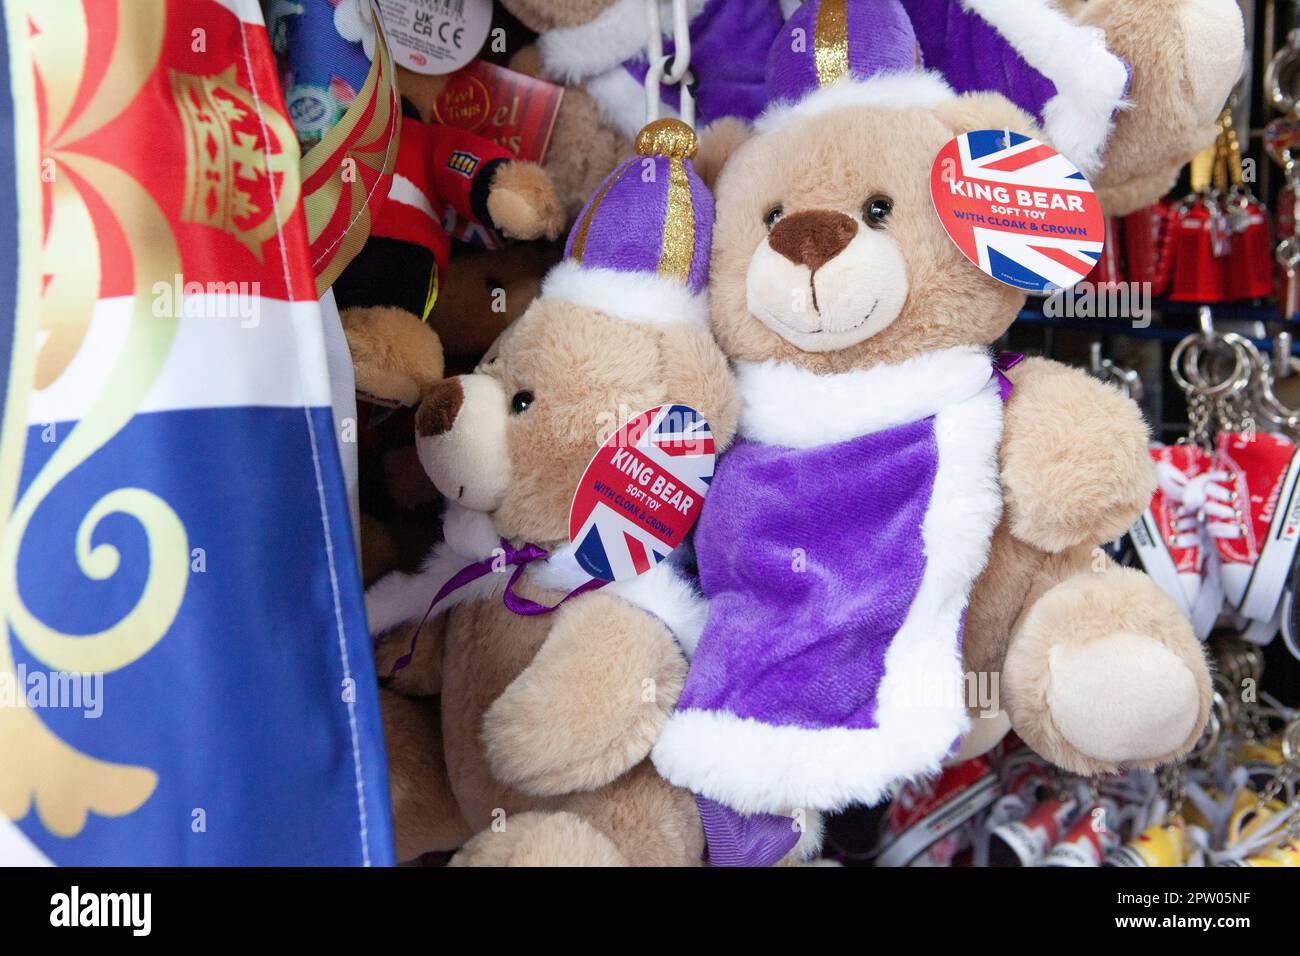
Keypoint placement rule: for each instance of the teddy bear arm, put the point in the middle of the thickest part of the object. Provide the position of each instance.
(1185, 57)
(591, 703)
(1075, 464)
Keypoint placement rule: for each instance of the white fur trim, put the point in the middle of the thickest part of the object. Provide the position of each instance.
(621, 101)
(470, 536)
(1090, 80)
(911, 90)
(759, 768)
(637, 297)
(398, 598)
(573, 54)
(662, 592)
(784, 404)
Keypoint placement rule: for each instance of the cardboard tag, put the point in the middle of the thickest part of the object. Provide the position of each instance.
(642, 493)
(435, 36)
(512, 109)
(1018, 209)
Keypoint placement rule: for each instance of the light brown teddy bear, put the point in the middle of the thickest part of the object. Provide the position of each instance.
(536, 749)
(885, 504)
(1182, 57)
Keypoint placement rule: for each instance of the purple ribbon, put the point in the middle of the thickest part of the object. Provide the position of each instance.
(1004, 362)
(519, 559)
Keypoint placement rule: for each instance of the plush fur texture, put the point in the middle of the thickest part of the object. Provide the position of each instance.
(1064, 670)
(838, 160)
(1084, 491)
(584, 148)
(546, 721)
(1074, 466)
(485, 292)
(1186, 55)
(634, 296)
(523, 203)
(395, 355)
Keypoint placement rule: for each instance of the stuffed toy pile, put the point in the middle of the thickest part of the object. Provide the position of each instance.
(902, 509)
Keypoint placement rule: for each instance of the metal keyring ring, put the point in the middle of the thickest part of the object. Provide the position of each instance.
(1244, 349)
(1291, 743)
(1213, 729)
(1234, 383)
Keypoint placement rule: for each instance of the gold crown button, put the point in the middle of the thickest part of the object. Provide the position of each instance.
(670, 138)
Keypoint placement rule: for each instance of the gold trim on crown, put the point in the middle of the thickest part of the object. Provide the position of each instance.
(831, 42)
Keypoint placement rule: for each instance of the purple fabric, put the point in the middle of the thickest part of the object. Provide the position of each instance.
(787, 644)
(526, 607)
(729, 44)
(626, 231)
(881, 40)
(735, 840)
(973, 57)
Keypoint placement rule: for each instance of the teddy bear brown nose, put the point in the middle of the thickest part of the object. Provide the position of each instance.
(813, 238)
(439, 407)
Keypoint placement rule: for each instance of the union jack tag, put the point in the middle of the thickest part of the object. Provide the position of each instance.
(1018, 209)
(642, 492)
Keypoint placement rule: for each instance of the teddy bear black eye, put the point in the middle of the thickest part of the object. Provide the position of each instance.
(877, 210)
(773, 216)
(519, 404)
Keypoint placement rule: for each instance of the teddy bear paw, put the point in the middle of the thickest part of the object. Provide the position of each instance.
(523, 203)
(1122, 699)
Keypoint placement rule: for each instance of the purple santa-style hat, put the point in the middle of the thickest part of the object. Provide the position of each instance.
(640, 249)
(838, 53)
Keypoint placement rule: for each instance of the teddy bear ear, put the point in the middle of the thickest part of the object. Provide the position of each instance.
(972, 111)
(718, 143)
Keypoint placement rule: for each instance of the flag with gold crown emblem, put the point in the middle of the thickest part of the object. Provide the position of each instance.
(185, 672)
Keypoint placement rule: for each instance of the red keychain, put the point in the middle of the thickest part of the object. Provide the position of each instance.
(1250, 263)
(1201, 239)
(1148, 245)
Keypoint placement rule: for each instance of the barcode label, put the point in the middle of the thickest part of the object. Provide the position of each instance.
(450, 8)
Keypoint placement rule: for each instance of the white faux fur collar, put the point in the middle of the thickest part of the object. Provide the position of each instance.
(912, 90)
(573, 54)
(1090, 80)
(784, 404)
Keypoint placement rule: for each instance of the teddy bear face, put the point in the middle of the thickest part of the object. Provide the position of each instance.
(828, 251)
(514, 438)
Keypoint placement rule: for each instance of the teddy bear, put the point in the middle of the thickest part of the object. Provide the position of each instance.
(386, 293)
(900, 509)
(1142, 85)
(485, 290)
(550, 691)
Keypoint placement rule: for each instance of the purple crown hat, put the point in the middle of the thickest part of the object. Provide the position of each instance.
(836, 53)
(640, 248)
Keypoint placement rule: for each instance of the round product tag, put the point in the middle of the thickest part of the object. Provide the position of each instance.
(1018, 209)
(435, 36)
(642, 493)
